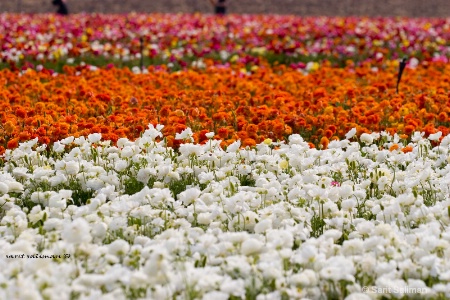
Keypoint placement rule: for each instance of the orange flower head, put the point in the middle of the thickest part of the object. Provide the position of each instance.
(21, 113)
(9, 127)
(324, 141)
(13, 143)
(393, 147)
(407, 149)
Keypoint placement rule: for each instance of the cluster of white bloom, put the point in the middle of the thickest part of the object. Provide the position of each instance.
(139, 220)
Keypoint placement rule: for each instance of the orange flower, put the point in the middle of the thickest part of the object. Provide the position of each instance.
(13, 143)
(442, 117)
(21, 113)
(407, 149)
(223, 132)
(409, 129)
(249, 142)
(393, 147)
(9, 127)
(324, 142)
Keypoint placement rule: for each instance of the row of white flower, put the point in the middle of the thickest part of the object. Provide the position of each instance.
(89, 220)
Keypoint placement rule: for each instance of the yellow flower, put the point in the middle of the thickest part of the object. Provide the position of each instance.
(284, 164)
(328, 109)
(234, 58)
(268, 141)
(259, 50)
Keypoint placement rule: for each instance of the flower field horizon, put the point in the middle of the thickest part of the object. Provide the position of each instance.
(241, 157)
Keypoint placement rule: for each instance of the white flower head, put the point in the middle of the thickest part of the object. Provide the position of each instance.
(119, 247)
(251, 246)
(417, 136)
(67, 140)
(445, 141)
(366, 138)
(233, 147)
(3, 188)
(185, 135)
(351, 133)
(122, 142)
(263, 226)
(435, 136)
(153, 132)
(94, 137)
(58, 147)
(76, 232)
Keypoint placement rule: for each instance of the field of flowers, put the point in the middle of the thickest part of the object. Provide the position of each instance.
(240, 157)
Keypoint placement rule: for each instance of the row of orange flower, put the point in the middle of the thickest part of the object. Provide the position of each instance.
(269, 102)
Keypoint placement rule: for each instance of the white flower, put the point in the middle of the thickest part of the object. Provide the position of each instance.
(69, 168)
(251, 246)
(99, 230)
(21, 173)
(57, 179)
(345, 191)
(66, 194)
(353, 247)
(128, 151)
(153, 132)
(366, 138)
(67, 140)
(417, 136)
(138, 280)
(306, 254)
(145, 174)
(94, 137)
(233, 147)
(185, 135)
(95, 184)
(14, 186)
(122, 142)
(263, 226)
(435, 136)
(57, 201)
(3, 188)
(244, 169)
(306, 278)
(58, 147)
(204, 218)
(333, 233)
(36, 214)
(350, 134)
(233, 287)
(445, 141)
(348, 204)
(120, 165)
(365, 227)
(209, 135)
(189, 195)
(338, 268)
(76, 232)
(119, 247)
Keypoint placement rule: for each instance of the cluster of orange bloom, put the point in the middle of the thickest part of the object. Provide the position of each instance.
(268, 102)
